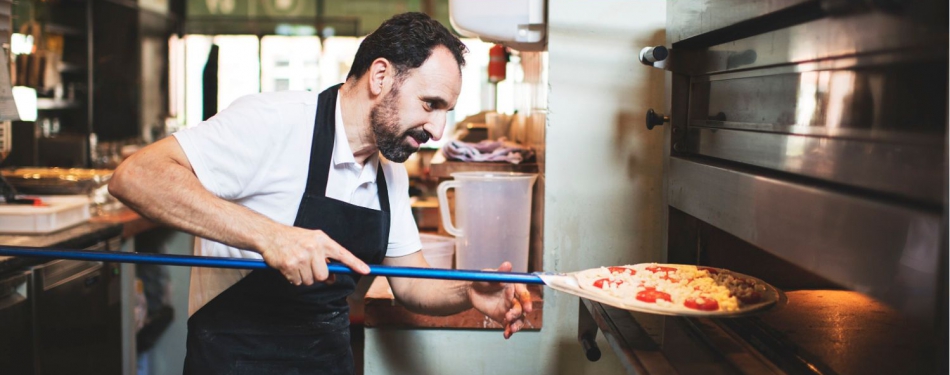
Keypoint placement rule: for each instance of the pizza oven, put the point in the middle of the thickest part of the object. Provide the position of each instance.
(807, 146)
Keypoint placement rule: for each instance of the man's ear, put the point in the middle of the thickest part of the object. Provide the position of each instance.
(380, 76)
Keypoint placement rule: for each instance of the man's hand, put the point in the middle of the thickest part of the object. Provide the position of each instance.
(301, 255)
(505, 303)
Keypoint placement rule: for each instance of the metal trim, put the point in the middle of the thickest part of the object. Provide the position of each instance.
(826, 131)
(847, 39)
(59, 272)
(688, 19)
(883, 250)
(839, 63)
(877, 166)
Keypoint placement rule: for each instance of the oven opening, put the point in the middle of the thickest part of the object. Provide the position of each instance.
(822, 328)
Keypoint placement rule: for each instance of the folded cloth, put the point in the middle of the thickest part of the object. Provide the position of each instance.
(487, 150)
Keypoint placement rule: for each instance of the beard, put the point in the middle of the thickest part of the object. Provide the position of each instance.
(384, 119)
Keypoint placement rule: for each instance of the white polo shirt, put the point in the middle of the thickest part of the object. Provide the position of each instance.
(256, 153)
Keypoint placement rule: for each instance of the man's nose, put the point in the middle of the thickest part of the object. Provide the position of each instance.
(435, 126)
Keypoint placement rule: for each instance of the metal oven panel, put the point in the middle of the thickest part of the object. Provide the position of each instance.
(856, 37)
(700, 17)
(879, 166)
(831, 99)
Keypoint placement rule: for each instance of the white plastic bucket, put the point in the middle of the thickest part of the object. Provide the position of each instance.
(438, 250)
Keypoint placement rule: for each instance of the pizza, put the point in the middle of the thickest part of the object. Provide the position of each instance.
(677, 288)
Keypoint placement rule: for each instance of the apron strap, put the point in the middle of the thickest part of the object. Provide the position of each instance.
(324, 134)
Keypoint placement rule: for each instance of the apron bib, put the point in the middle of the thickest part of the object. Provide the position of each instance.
(265, 325)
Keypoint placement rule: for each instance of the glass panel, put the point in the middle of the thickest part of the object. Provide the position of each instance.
(238, 67)
(290, 63)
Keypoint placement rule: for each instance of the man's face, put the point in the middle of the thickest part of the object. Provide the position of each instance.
(415, 108)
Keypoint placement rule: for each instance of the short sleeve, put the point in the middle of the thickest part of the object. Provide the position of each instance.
(403, 233)
(227, 151)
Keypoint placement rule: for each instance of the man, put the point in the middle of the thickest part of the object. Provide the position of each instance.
(296, 179)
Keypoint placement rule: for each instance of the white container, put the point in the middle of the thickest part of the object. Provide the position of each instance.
(493, 213)
(438, 250)
(59, 212)
(518, 24)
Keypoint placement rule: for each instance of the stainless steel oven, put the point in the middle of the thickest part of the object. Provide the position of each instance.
(807, 147)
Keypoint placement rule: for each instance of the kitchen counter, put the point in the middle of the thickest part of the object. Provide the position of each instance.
(382, 311)
(132, 222)
(75, 237)
(99, 228)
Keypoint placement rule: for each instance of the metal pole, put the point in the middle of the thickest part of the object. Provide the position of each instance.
(215, 262)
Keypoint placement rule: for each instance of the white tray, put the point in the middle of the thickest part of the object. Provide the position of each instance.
(60, 211)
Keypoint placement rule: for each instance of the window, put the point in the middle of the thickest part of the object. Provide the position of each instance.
(289, 63)
(238, 71)
(248, 64)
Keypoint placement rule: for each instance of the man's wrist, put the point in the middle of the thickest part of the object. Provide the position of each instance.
(470, 293)
(263, 239)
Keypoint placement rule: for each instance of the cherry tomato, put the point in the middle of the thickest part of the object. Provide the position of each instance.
(622, 270)
(603, 283)
(650, 295)
(701, 303)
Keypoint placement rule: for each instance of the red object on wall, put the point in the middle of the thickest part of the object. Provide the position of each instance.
(497, 63)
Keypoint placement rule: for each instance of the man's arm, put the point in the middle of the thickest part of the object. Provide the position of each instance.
(160, 183)
(505, 303)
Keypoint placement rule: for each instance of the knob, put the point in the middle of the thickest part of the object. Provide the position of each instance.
(591, 350)
(650, 55)
(655, 119)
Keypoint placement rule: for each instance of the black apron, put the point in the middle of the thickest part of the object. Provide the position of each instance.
(265, 325)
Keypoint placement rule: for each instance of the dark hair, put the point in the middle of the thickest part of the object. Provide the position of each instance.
(406, 40)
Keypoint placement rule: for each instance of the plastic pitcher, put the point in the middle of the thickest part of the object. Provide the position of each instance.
(493, 213)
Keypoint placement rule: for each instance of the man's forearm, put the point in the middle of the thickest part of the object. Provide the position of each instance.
(168, 192)
(433, 297)
(428, 296)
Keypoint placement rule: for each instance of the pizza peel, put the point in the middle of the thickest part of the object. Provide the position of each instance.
(563, 282)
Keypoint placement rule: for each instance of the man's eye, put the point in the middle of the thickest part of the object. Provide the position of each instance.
(430, 104)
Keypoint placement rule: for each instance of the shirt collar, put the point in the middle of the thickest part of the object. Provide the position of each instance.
(343, 154)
